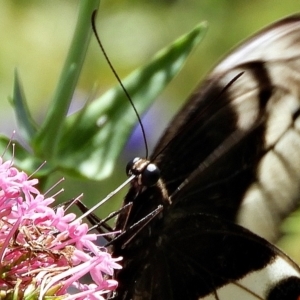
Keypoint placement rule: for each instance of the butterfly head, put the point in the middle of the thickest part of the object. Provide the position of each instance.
(147, 174)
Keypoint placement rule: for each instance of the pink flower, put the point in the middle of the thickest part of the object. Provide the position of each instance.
(45, 251)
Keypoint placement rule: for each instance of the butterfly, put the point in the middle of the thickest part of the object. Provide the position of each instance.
(227, 166)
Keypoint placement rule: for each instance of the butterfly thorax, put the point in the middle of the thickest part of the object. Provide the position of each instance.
(146, 194)
(139, 226)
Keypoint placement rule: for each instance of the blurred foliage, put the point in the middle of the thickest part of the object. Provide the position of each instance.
(36, 34)
(87, 143)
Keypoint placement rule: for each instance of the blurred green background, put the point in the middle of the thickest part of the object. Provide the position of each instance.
(35, 36)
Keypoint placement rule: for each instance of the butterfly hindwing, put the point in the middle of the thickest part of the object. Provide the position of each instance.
(201, 250)
(204, 257)
(235, 143)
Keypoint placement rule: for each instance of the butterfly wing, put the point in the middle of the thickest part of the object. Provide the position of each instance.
(237, 154)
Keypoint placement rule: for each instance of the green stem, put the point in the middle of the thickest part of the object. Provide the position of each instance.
(48, 136)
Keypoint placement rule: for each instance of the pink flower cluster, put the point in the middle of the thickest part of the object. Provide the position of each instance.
(46, 252)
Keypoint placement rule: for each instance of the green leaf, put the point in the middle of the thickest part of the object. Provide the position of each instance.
(27, 127)
(94, 137)
(48, 136)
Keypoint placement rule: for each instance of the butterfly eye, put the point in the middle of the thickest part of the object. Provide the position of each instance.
(150, 175)
(130, 166)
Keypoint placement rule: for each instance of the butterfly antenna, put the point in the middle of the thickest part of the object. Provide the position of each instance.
(119, 80)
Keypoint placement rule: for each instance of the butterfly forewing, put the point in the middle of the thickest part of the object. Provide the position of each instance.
(262, 106)
(236, 142)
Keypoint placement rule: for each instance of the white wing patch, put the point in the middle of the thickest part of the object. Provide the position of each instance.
(270, 45)
(256, 285)
(276, 189)
(244, 94)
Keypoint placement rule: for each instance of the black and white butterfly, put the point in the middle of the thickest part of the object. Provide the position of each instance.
(229, 160)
